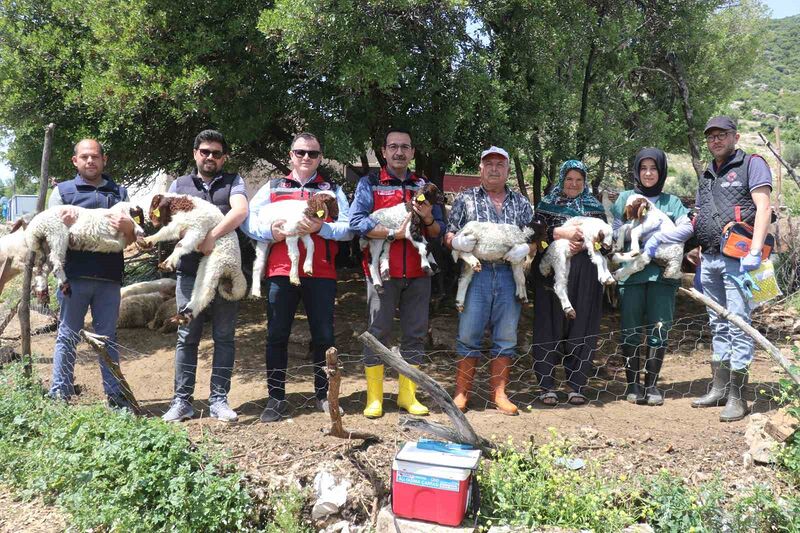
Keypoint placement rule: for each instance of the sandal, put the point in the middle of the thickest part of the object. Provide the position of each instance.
(576, 398)
(549, 398)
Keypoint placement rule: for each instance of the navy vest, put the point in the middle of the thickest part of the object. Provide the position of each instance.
(726, 189)
(94, 265)
(219, 194)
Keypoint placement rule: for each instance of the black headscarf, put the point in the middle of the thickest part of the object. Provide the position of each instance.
(661, 165)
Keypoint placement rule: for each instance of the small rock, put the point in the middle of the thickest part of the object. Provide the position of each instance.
(639, 528)
(388, 523)
(588, 432)
(761, 445)
(747, 459)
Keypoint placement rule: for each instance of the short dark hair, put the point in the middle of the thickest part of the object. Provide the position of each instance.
(397, 130)
(211, 136)
(308, 137)
(75, 148)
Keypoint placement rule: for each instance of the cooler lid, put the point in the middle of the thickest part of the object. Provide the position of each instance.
(462, 459)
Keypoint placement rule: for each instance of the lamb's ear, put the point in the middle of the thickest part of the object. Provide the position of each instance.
(333, 206)
(19, 223)
(627, 213)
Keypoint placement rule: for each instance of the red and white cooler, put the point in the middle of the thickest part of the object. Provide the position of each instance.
(432, 485)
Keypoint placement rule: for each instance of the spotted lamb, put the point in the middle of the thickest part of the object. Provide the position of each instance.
(598, 241)
(392, 218)
(320, 206)
(493, 242)
(48, 237)
(641, 217)
(188, 220)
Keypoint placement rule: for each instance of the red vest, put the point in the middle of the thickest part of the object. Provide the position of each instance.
(324, 259)
(388, 191)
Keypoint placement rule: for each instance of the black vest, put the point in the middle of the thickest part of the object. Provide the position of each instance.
(93, 265)
(726, 189)
(219, 194)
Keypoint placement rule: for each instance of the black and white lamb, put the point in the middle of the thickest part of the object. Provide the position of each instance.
(598, 240)
(641, 217)
(48, 237)
(392, 218)
(493, 241)
(319, 206)
(188, 220)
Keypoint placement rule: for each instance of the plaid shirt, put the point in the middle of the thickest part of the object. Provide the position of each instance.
(475, 204)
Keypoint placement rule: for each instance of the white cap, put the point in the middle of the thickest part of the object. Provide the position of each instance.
(494, 150)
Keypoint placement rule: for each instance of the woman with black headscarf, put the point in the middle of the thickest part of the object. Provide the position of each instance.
(646, 298)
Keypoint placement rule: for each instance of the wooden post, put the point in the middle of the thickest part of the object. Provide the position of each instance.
(98, 344)
(463, 432)
(334, 381)
(778, 191)
(25, 308)
(773, 350)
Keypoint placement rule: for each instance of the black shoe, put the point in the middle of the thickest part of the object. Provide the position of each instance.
(736, 406)
(120, 403)
(633, 391)
(652, 368)
(720, 384)
(274, 411)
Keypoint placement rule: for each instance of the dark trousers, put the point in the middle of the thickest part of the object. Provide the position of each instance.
(318, 297)
(555, 337)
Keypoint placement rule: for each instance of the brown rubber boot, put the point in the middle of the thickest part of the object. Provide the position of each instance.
(465, 373)
(500, 371)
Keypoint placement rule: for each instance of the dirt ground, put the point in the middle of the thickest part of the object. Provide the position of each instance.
(623, 438)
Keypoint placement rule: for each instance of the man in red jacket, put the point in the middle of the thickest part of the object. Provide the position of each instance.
(409, 287)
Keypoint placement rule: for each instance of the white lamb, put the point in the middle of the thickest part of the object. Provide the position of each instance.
(392, 218)
(164, 285)
(641, 217)
(493, 242)
(49, 237)
(188, 220)
(598, 240)
(13, 252)
(319, 206)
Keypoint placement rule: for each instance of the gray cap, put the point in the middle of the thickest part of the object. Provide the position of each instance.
(720, 123)
(494, 150)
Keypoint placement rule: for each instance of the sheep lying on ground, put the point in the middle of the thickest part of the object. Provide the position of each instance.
(49, 237)
(137, 310)
(188, 220)
(165, 285)
(641, 217)
(392, 218)
(493, 242)
(598, 240)
(320, 206)
(163, 321)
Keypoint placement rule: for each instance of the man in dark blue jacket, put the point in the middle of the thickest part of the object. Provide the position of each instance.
(94, 278)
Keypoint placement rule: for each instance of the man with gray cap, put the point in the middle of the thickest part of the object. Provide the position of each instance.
(734, 187)
(491, 297)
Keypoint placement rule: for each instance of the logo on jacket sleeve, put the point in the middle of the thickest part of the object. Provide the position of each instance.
(324, 186)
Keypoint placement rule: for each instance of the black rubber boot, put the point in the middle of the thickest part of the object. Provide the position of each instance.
(652, 368)
(633, 391)
(736, 407)
(720, 383)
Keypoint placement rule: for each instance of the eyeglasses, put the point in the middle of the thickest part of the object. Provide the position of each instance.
(717, 136)
(395, 147)
(312, 154)
(216, 154)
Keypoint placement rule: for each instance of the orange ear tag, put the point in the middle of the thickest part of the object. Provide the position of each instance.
(320, 213)
(156, 212)
(421, 198)
(597, 247)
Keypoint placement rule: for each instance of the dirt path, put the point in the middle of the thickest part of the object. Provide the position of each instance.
(28, 516)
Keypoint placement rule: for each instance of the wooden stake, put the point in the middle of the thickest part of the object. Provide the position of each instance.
(334, 382)
(463, 432)
(773, 351)
(98, 344)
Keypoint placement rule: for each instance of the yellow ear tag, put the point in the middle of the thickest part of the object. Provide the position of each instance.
(320, 213)
(137, 219)
(644, 212)
(544, 245)
(156, 212)
(421, 198)
(597, 247)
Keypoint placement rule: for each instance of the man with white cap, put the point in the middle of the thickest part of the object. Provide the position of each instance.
(491, 298)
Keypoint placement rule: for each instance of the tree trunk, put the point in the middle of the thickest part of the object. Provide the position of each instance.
(582, 135)
(520, 176)
(364, 164)
(538, 170)
(600, 174)
(688, 112)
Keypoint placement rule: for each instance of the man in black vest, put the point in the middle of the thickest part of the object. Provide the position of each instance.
(228, 192)
(734, 187)
(94, 278)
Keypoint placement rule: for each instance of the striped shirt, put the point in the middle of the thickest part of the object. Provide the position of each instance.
(475, 205)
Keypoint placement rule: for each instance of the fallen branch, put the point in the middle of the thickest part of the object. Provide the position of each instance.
(463, 432)
(9, 317)
(780, 159)
(438, 430)
(98, 344)
(773, 350)
(334, 381)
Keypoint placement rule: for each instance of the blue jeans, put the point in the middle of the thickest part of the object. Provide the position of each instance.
(729, 342)
(223, 327)
(319, 296)
(102, 297)
(491, 300)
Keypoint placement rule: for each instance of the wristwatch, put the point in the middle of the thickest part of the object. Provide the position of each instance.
(755, 252)
(390, 237)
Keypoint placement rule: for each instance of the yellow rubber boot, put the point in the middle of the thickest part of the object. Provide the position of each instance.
(374, 408)
(407, 397)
